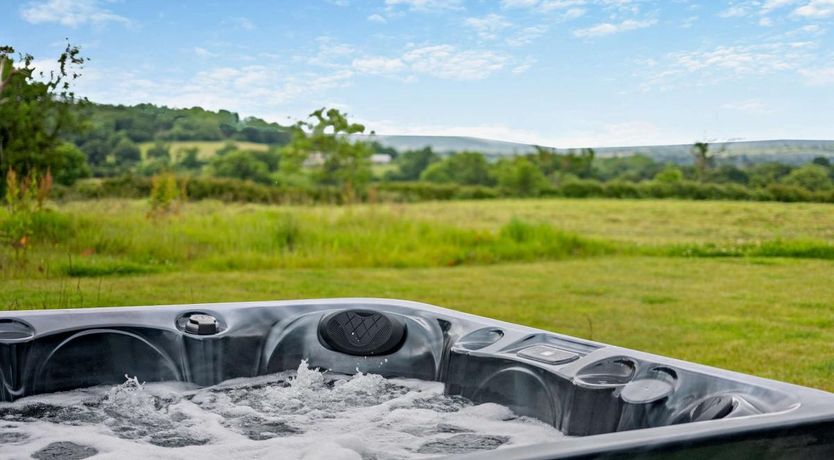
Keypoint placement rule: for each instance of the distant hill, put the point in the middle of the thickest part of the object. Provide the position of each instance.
(450, 144)
(783, 150)
(787, 150)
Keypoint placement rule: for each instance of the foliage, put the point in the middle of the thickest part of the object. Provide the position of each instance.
(325, 146)
(412, 163)
(188, 159)
(167, 194)
(70, 164)
(702, 158)
(813, 177)
(36, 110)
(241, 164)
(126, 153)
(465, 168)
(159, 150)
(25, 197)
(520, 177)
(578, 164)
(669, 175)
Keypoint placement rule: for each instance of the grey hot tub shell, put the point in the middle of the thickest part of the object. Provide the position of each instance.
(615, 402)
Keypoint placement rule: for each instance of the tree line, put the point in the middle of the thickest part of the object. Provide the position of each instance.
(45, 130)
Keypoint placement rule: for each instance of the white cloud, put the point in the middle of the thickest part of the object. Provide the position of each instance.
(446, 61)
(378, 65)
(70, 13)
(607, 28)
(765, 22)
(689, 22)
(523, 67)
(488, 26)
(734, 11)
(818, 76)
(243, 23)
(202, 52)
(543, 5)
(527, 35)
(739, 60)
(378, 18)
(573, 13)
(816, 9)
(704, 67)
(752, 106)
(426, 5)
(771, 5)
(519, 3)
(331, 53)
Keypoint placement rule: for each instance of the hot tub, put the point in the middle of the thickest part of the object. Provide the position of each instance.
(608, 401)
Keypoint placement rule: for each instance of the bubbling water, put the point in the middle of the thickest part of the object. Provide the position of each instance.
(302, 414)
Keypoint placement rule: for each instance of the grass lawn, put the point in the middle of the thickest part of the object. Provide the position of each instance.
(769, 316)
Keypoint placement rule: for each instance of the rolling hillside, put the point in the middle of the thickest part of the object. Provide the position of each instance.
(788, 150)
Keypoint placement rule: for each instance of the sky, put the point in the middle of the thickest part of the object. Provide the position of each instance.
(563, 73)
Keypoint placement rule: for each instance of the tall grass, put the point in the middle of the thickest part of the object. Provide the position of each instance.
(121, 240)
(116, 237)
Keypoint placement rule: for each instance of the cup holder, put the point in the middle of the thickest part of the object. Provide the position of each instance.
(14, 331)
(658, 384)
(611, 372)
(712, 407)
(481, 338)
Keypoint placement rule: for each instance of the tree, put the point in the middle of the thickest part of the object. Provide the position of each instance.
(96, 151)
(669, 175)
(822, 161)
(70, 164)
(412, 163)
(36, 109)
(188, 159)
(521, 177)
(812, 177)
(702, 159)
(126, 153)
(241, 165)
(228, 147)
(578, 164)
(465, 168)
(159, 149)
(323, 144)
(764, 174)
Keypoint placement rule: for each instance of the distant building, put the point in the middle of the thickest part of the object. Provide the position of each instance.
(380, 158)
(314, 159)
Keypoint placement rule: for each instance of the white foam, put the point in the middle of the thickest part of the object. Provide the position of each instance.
(304, 414)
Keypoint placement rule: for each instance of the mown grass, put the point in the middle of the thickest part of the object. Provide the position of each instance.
(648, 221)
(769, 317)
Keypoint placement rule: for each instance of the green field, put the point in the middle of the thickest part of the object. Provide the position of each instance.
(641, 274)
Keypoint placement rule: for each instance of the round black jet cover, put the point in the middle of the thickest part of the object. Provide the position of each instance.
(362, 332)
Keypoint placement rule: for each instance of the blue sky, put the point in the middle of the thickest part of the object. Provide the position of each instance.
(554, 72)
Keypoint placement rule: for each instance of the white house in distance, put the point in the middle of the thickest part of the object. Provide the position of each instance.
(317, 159)
(380, 159)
